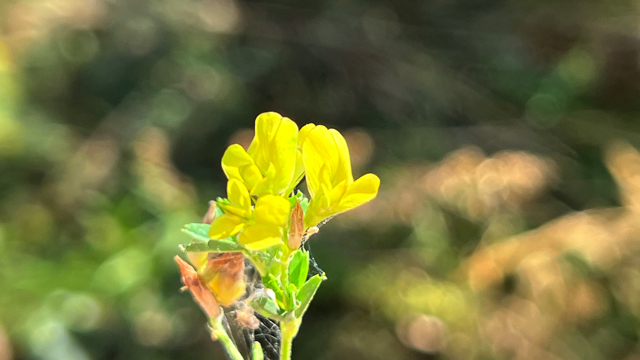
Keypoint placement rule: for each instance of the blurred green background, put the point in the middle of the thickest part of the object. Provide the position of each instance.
(508, 221)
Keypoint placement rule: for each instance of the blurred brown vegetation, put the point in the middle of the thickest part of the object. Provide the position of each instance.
(505, 134)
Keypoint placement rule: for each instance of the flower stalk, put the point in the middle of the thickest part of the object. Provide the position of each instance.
(220, 334)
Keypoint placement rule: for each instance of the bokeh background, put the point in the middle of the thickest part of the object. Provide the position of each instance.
(504, 132)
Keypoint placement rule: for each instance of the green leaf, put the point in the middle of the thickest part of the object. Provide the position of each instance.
(202, 243)
(266, 306)
(213, 246)
(256, 351)
(197, 230)
(306, 293)
(291, 297)
(299, 268)
(272, 283)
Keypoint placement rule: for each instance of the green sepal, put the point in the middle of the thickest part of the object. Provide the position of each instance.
(304, 202)
(201, 241)
(306, 293)
(197, 231)
(299, 268)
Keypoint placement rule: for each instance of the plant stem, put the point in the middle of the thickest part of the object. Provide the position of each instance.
(288, 331)
(221, 335)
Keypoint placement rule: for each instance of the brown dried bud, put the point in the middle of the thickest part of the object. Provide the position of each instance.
(296, 229)
(211, 213)
(224, 275)
(201, 294)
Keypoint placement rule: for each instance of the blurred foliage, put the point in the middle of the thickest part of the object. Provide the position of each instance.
(507, 222)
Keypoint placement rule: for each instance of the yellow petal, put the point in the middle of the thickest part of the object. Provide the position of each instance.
(284, 150)
(239, 195)
(297, 174)
(302, 134)
(314, 156)
(271, 209)
(325, 148)
(260, 236)
(342, 170)
(359, 192)
(233, 159)
(266, 125)
(275, 145)
(336, 194)
(250, 175)
(225, 226)
(318, 209)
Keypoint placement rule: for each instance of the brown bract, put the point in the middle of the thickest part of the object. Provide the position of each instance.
(201, 294)
(296, 232)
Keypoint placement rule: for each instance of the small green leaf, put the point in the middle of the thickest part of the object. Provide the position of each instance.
(256, 351)
(197, 230)
(267, 307)
(202, 242)
(306, 293)
(292, 302)
(272, 283)
(299, 268)
(224, 245)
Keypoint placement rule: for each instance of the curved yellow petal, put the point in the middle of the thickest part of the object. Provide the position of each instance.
(298, 173)
(359, 192)
(337, 193)
(238, 195)
(302, 134)
(318, 209)
(251, 175)
(342, 170)
(260, 236)
(272, 210)
(276, 144)
(234, 158)
(318, 151)
(224, 226)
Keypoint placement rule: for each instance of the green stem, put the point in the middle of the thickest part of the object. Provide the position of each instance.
(288, 331)
(221, 335)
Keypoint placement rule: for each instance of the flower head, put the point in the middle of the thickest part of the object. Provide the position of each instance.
(259, 227)
(328, 170)
(272, 164)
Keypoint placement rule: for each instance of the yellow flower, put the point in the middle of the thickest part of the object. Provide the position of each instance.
(272, 165)
(260, 227)
(328, 169)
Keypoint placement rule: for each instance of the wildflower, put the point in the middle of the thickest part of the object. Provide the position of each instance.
(328, 170)
(259, 227)
(272, 165)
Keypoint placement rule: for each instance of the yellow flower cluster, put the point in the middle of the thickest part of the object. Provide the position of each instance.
(262, 178)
